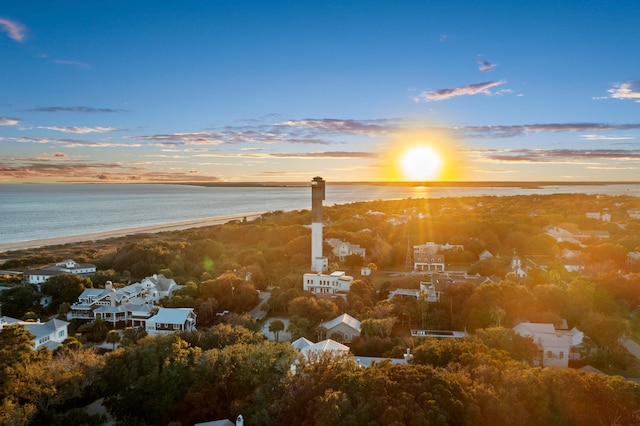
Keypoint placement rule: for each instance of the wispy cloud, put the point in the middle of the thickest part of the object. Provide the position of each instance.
(300, 155)
(471, 89)
(626, 90)
(80, 130)
(81, 109)
(77, 143)
(558, 155)
(485, 66)
(593, 137)
(4, 121)
(196, 138)
(332, 125)
(327, 154)
(74, 63)
(509, 131)
(15, 30)
(63, 169)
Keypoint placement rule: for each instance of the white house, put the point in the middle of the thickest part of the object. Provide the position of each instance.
(342, 249)
(38, 276)
(335, 284)
(315, 350)
(557, 347)
(169, 320)
(48, 334)
(344, 325)
(132, 304)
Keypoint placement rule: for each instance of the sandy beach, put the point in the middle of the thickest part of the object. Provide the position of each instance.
(175, 226)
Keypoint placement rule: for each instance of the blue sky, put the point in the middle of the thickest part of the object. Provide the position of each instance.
(121, 91)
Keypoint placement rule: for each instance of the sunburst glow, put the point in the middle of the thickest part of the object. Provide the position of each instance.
(421, 163)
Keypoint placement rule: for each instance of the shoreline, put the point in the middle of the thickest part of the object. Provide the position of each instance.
(123, 232)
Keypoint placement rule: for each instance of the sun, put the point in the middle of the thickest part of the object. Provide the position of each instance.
(421, 163)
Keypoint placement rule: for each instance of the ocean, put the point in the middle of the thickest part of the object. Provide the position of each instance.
(31, 211)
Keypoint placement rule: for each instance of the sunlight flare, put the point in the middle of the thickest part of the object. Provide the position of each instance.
(421, 163)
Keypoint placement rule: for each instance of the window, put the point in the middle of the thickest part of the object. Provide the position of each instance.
(561, 355)
(549, 354)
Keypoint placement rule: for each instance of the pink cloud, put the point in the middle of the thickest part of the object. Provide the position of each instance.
(471, 89)
(15, 30)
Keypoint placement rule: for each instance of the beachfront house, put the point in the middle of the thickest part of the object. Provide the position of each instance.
(131, 305)
(38, 276)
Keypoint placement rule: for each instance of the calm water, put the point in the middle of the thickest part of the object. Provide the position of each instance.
(29, 212)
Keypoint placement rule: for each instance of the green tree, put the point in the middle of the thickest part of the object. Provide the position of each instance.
(275, 327)
(113, 337)
(65, 288)
(16, 301)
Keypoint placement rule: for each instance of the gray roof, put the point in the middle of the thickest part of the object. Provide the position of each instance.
(342, 319)
(172, 315)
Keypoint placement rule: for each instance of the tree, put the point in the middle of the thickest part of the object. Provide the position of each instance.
(276, 326)
(18, 300)
(113, 337)
(65, 288)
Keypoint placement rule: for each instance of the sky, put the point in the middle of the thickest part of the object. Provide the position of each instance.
(282, 91)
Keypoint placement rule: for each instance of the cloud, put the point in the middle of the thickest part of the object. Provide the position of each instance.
(80, 130)
(14, 29)
(331, 154)
(626, 90)
(485, 66)
(196, 138)
(76, 143)
(605, 138)
(472, 89)
(332, 125)
(4, 121)
(559, 155)
(73, 170)
(75, 109)
(74, 63)
(522, 129)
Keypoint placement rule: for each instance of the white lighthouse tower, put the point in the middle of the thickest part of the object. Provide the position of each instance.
(319, 263)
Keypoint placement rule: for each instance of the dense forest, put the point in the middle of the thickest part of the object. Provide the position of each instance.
(228, 367)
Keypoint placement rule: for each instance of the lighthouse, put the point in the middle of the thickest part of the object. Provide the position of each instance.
(319, 263)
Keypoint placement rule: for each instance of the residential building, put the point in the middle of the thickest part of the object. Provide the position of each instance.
(336, 284)
(38, 276)
(170, 320)
(342, 249)
(427, 292)
(315, 350)
(48, 334)
(132, 304)
(556, 347)
(450, 278)
(486, 254)
(346, 326)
